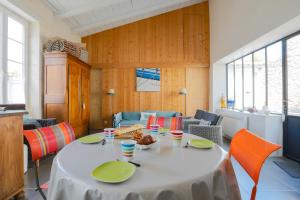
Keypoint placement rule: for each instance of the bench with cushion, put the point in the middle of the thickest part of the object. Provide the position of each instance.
(131, 118)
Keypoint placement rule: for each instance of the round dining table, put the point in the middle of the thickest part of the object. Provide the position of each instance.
(166, 173)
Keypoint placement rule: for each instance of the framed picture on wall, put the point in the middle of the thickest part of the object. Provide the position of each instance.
(148, 79)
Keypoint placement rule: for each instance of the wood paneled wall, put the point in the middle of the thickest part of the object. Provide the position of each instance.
(177, 42)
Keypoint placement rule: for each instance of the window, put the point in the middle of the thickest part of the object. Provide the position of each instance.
(238, 84)
(230, 81)
(13, 64)
(248, 81)
(259, 62)
(274, 66)
(257, 79)
(293, 71)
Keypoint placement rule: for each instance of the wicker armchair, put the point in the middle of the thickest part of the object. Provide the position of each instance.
(211, 132)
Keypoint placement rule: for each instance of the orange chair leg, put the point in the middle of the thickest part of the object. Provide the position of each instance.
(253, 193)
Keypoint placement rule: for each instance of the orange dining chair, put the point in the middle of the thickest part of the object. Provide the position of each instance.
(251, 152)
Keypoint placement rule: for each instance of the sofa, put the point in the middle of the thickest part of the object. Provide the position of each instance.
(130, 118)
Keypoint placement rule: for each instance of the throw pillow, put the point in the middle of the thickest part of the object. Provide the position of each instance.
(203, 122)
(146, 115)
(171, 123)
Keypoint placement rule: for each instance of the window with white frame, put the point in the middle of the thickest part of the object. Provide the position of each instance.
(255, 80)
(12, 57)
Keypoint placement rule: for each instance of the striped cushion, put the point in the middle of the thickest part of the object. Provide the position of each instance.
(50, 139)
(172, 123)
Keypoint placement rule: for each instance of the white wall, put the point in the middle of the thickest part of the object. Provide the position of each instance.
(43, 25)
(49, 25)
(241, 26)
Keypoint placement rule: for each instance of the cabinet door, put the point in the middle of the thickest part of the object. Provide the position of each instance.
(75, 96)
(85, 78)
(11, 156)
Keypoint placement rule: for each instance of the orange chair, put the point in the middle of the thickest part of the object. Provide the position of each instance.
(251, 151)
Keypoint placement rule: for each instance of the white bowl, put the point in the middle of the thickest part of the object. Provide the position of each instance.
(145, 147)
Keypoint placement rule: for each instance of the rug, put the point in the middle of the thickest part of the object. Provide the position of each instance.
(291, 167)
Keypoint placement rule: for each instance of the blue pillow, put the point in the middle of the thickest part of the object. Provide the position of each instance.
(131, 115)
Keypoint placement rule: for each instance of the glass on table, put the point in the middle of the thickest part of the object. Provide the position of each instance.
(154, 128)
(176, 137)
(128, 149)
(109, 134)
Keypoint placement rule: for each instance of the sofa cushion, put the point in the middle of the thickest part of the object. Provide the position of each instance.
(172, 123)
(213, 118)
(163, 113)
(146, 115)
(203, 122)
(132, 122)
(131, 115)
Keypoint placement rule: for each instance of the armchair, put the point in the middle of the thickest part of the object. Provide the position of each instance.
(211, 132)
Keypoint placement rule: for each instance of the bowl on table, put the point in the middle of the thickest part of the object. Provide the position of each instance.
(146, 142)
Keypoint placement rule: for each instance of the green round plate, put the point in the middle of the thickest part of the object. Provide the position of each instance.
(91, 139)
(114, 172)
(201, 143)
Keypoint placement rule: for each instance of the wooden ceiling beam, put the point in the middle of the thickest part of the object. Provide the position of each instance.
(132, 16)
(89, 6)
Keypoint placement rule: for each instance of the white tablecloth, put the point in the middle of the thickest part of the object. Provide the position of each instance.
(167, 173)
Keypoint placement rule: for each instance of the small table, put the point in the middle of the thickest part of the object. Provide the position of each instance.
(167, 172)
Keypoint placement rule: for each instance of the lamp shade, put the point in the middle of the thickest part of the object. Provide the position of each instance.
(183, 91)
(111, 92)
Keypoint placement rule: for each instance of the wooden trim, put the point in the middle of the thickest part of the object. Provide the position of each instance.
(148, 65)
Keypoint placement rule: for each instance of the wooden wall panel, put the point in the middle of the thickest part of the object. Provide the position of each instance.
(197, 83)
(96, 99)
(177, 42)
(172, 80)
(131, 96)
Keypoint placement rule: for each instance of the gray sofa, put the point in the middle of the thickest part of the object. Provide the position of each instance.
(131, 118)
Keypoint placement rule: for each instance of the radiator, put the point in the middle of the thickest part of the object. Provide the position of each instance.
(233, 122)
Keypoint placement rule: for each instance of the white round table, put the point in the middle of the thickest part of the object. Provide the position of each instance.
(166, 172)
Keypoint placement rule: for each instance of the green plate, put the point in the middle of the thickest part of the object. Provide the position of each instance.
(91, 139)
(164, 130)
(113, 172)
(201, 143)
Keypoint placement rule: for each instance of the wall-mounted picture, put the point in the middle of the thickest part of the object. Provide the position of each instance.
(148, 79)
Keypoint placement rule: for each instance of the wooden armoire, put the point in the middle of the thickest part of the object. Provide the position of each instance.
(67, 90)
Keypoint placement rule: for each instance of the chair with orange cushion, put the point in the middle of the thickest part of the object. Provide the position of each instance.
(251, 152)
(45, 141)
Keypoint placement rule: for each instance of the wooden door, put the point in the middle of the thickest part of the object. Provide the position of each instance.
(85, 91)
(75, 96)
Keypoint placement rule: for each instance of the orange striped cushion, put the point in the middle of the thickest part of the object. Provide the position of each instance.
(50, 139)
(172, 123)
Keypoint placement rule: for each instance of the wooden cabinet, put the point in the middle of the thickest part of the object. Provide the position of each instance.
(67, 90)
(11, 154)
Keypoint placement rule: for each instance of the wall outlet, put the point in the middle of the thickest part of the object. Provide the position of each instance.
(105, 122)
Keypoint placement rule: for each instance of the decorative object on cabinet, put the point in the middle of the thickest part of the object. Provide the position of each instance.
(61, 45)
(67, 83)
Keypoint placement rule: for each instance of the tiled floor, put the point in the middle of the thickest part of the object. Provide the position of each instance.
(274, 183)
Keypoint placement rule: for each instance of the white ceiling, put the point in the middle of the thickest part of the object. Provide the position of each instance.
(90, 16)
